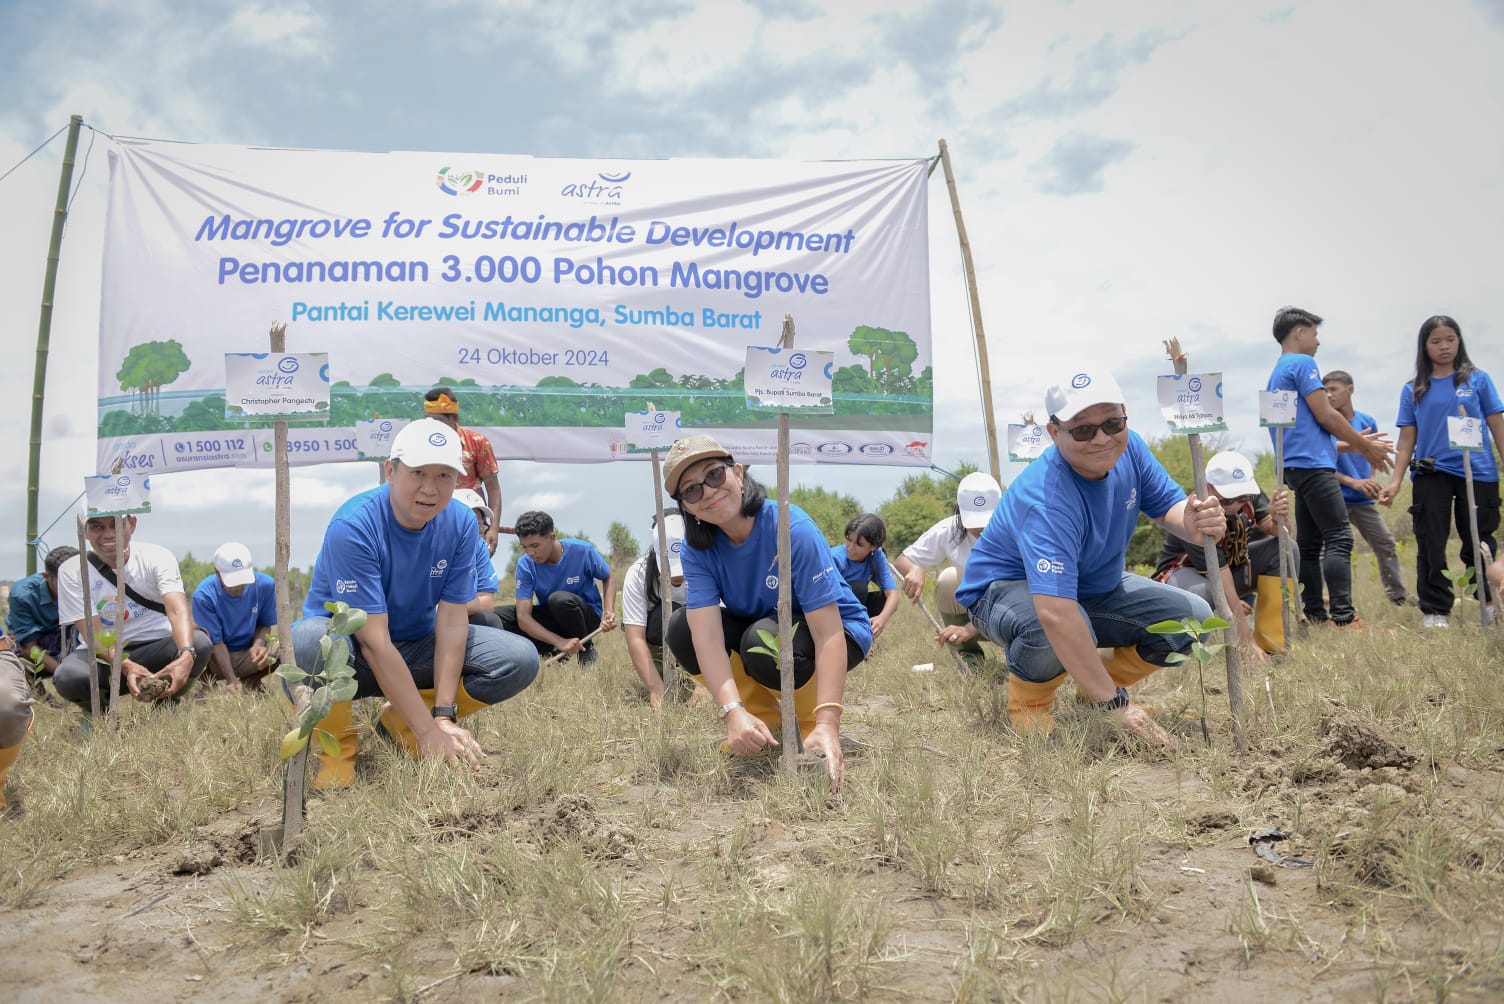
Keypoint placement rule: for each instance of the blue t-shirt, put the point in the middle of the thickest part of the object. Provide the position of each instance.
(1308, 446)
(1355, 465)
(1068, 535)
(33, 609)
(371, 561)
(574, 572)
(873, 568)
(1439, 403)
(745, 576)
(485, 572)
(233, 620)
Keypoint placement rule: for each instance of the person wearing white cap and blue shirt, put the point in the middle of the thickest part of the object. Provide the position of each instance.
(405, 554)
(951, 540)
(642, 602)
(237, 608)
(1046, 580)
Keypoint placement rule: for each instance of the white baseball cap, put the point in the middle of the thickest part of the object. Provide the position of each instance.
(428, 441)
(976, 497)
(1078, 390)
(470, 499)
(1231, 474)
(233, 563)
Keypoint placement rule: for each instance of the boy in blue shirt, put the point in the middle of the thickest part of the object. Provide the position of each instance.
(1322, 532)
(32, 617)
(1046, 579)
(1360, 489)
(236, 607)
(405, 554)
(558, 605)
(861, 561)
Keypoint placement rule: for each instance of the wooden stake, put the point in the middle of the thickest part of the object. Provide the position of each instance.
(1213, 573)
(790, 737)
(1287, 588)
(668, 670)
(120, 614)
(561, 655)
(1472, 512)
(83, 581)
(989, 422)
(939, 628)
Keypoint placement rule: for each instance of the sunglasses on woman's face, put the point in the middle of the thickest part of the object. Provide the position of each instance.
(1086, 433)
(714, 478)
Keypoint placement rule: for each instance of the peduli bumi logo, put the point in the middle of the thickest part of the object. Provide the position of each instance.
(457, 181)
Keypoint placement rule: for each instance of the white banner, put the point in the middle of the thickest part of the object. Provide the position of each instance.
(649, 431)
(1026, 443)
(373, 436)
(1276, 409)
(1192, 402)
(789, 380)
(553, 295)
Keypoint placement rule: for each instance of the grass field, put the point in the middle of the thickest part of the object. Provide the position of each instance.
(606, 853)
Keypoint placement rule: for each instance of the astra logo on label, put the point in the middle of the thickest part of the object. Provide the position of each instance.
(458, 181)
(603, 187)
(385, 426)
(123, 481)
(798, 361)
(287, 364)
(345, 585)
(1194, 383)
(676, 547)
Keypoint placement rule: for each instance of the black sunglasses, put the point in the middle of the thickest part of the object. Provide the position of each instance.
(714, 478)
(1086, 433)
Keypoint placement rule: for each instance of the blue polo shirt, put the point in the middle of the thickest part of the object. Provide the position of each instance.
(371, 561)
(1355, 465)
(33, 610)
(485, 572)
(1477, 397)
(873, 568)
(574, 572)
(233, 620)
(745, 576)
(1068, 535)
(1308, 446)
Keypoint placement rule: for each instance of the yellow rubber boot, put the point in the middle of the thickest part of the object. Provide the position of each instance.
(804, 706)
(1268, 615)
(338, 772)
(1127, 667)
(1029, 704)
(8, 757)
(396, 727)
(464, 704)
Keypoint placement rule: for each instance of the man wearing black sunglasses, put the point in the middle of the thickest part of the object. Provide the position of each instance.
(1046, 581)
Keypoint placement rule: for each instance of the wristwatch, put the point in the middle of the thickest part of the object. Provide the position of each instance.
(185, 648)
(726, 709)
(448, 711)
(1119, 700)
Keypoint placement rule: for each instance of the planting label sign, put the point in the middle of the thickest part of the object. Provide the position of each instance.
(1276, 409)
(554, 295)
(789, 379)
(1192, 402)
(1026, 442)
(1464, 433)
(373, 436)
(649, 431)
(116, 495)
(264, 387)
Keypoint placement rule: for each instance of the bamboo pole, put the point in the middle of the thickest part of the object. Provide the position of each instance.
(1213, 572)
(44, 337)
(790, 738)
(984, 373)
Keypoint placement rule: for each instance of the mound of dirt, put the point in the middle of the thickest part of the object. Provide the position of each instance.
(153, 688)
(1357, 742)
(575, 818)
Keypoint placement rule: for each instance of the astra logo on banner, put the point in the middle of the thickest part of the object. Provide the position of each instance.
(603, 189)
(457, 181)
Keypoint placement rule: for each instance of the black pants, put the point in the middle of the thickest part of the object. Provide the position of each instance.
(72, 677)
(741, 636)
(874, 600)
(1437, 501)
(565, 614)
(1325, 539)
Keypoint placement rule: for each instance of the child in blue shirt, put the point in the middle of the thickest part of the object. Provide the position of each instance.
(861, 561)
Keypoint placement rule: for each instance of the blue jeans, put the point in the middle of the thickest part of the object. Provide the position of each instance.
(1005, 615)
(497, 665)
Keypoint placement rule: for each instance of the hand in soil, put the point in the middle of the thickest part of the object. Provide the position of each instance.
(1136, 721)
(153, 688)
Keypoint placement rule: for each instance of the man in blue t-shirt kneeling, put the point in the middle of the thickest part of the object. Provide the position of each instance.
(558, 605)
(237, 607)
(1046, 579)
(405, 554)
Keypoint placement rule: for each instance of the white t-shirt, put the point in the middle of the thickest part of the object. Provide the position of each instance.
(152, 571)
(939, 543)
(634, 594)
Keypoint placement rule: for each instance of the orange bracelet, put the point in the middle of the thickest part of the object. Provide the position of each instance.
(828, 704)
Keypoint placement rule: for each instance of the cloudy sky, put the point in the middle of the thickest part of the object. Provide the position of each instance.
(1128, 172)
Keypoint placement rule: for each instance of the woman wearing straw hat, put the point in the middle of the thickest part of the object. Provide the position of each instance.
(731, 566)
